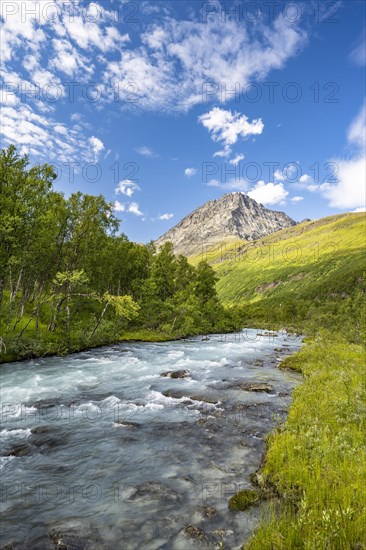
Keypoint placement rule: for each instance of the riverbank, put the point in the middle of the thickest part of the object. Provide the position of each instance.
(315, 464)
(46, 348)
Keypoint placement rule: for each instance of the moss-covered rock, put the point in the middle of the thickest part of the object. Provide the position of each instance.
(243, 500)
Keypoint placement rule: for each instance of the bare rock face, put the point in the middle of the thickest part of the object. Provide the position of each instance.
(234, 216)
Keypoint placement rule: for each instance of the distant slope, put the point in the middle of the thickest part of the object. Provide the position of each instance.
(287, 273)
(233, 216)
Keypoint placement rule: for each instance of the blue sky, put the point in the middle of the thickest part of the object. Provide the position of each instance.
(163, 105)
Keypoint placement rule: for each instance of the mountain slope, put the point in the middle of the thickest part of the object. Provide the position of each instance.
(233, 216)
(314, 267)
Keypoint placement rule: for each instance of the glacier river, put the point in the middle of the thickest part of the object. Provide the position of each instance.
(99, 451)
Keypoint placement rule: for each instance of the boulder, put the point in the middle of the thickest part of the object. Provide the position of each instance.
(176, 374)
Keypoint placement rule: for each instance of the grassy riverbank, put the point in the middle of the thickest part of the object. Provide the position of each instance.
(315, 466)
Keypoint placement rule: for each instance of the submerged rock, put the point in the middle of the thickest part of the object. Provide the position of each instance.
(48, 442)
(179, 394)
(42, 429)
(197, 533)
(154, 490)
(208, 512)
(20, 449)
(256, 386)
(176, 374)
(75, 538)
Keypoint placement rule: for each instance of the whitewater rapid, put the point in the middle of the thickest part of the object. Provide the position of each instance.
(102, 452)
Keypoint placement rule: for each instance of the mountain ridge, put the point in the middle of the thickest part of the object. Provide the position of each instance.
(232, 216)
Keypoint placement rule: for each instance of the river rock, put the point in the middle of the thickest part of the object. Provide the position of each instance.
(208, 512)
(75, 538)
(256, 386)
(197, 533)
(179, 394)
(42, 430)
(47, 442)
(154, 490)
(176, 374)
(21, 449)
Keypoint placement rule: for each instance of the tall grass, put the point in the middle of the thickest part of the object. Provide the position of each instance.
(316, 461)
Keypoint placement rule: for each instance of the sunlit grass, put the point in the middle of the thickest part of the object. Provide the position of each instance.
(316, 461)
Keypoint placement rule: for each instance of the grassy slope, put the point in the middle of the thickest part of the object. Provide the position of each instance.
(301, 259)
(297, 274)
(310, 277)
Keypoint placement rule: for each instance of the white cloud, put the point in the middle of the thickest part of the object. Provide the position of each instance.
(146, 151)
(234, 161)
(278, 176)
(68, 60)
(307, 183)
(134, 208)
(223, 153)
(189, 172)
(168, 68)
(42, 136)
(127, 187)
(96, 146)
(350, 190)
(268, 193)
(358, 54)
(165, 216)
(360, 209)
(357, 131)
(227, 127)
(177, 59)
(119, 207)
(89, 34)
(297, 199)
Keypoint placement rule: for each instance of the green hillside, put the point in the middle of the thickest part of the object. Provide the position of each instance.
(311, 273)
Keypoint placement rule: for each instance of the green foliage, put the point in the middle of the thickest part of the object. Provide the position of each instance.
(69, 281)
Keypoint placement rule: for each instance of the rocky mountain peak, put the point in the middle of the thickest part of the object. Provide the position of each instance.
(232, 216)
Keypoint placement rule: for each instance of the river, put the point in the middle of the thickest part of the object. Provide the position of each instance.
(99, 451)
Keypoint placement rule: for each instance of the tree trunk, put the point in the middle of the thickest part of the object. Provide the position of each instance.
(98, 322)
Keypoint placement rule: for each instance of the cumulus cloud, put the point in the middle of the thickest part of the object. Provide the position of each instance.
(165, 216)
(96, 146)
(234, 161)
(297, 199)
(146, 151)
(134, 208)
(227, 127)
(127, 187)
(119, 207)
(350, 190)
(268, 193)
(189, 172)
